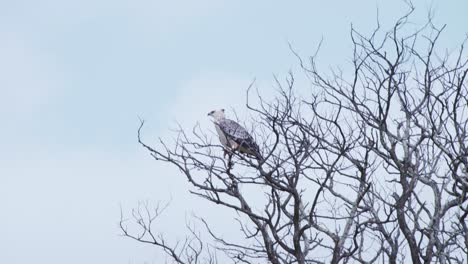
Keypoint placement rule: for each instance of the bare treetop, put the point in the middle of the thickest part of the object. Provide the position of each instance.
(371, 168)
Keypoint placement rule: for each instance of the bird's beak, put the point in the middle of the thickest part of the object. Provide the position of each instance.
(208, 114)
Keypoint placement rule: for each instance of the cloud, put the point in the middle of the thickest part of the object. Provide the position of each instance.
(208, 91)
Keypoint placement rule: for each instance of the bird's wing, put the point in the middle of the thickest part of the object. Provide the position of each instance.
(233, 130)
(239, 134)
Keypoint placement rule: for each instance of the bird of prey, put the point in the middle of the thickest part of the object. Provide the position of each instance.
(233, 136)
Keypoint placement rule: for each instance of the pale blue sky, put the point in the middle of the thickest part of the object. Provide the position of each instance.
(75, 76)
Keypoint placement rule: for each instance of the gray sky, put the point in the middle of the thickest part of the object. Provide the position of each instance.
(75, 76)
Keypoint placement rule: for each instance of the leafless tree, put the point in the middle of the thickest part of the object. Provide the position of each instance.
(370, 167)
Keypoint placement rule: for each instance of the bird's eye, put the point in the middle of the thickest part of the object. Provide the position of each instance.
(222, 110)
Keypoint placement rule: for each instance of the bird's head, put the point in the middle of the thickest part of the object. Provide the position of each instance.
(217, 114)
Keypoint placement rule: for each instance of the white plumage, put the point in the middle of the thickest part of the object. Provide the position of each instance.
(233, 136)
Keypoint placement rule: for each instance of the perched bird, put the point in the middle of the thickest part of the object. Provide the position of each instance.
(233, 136)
